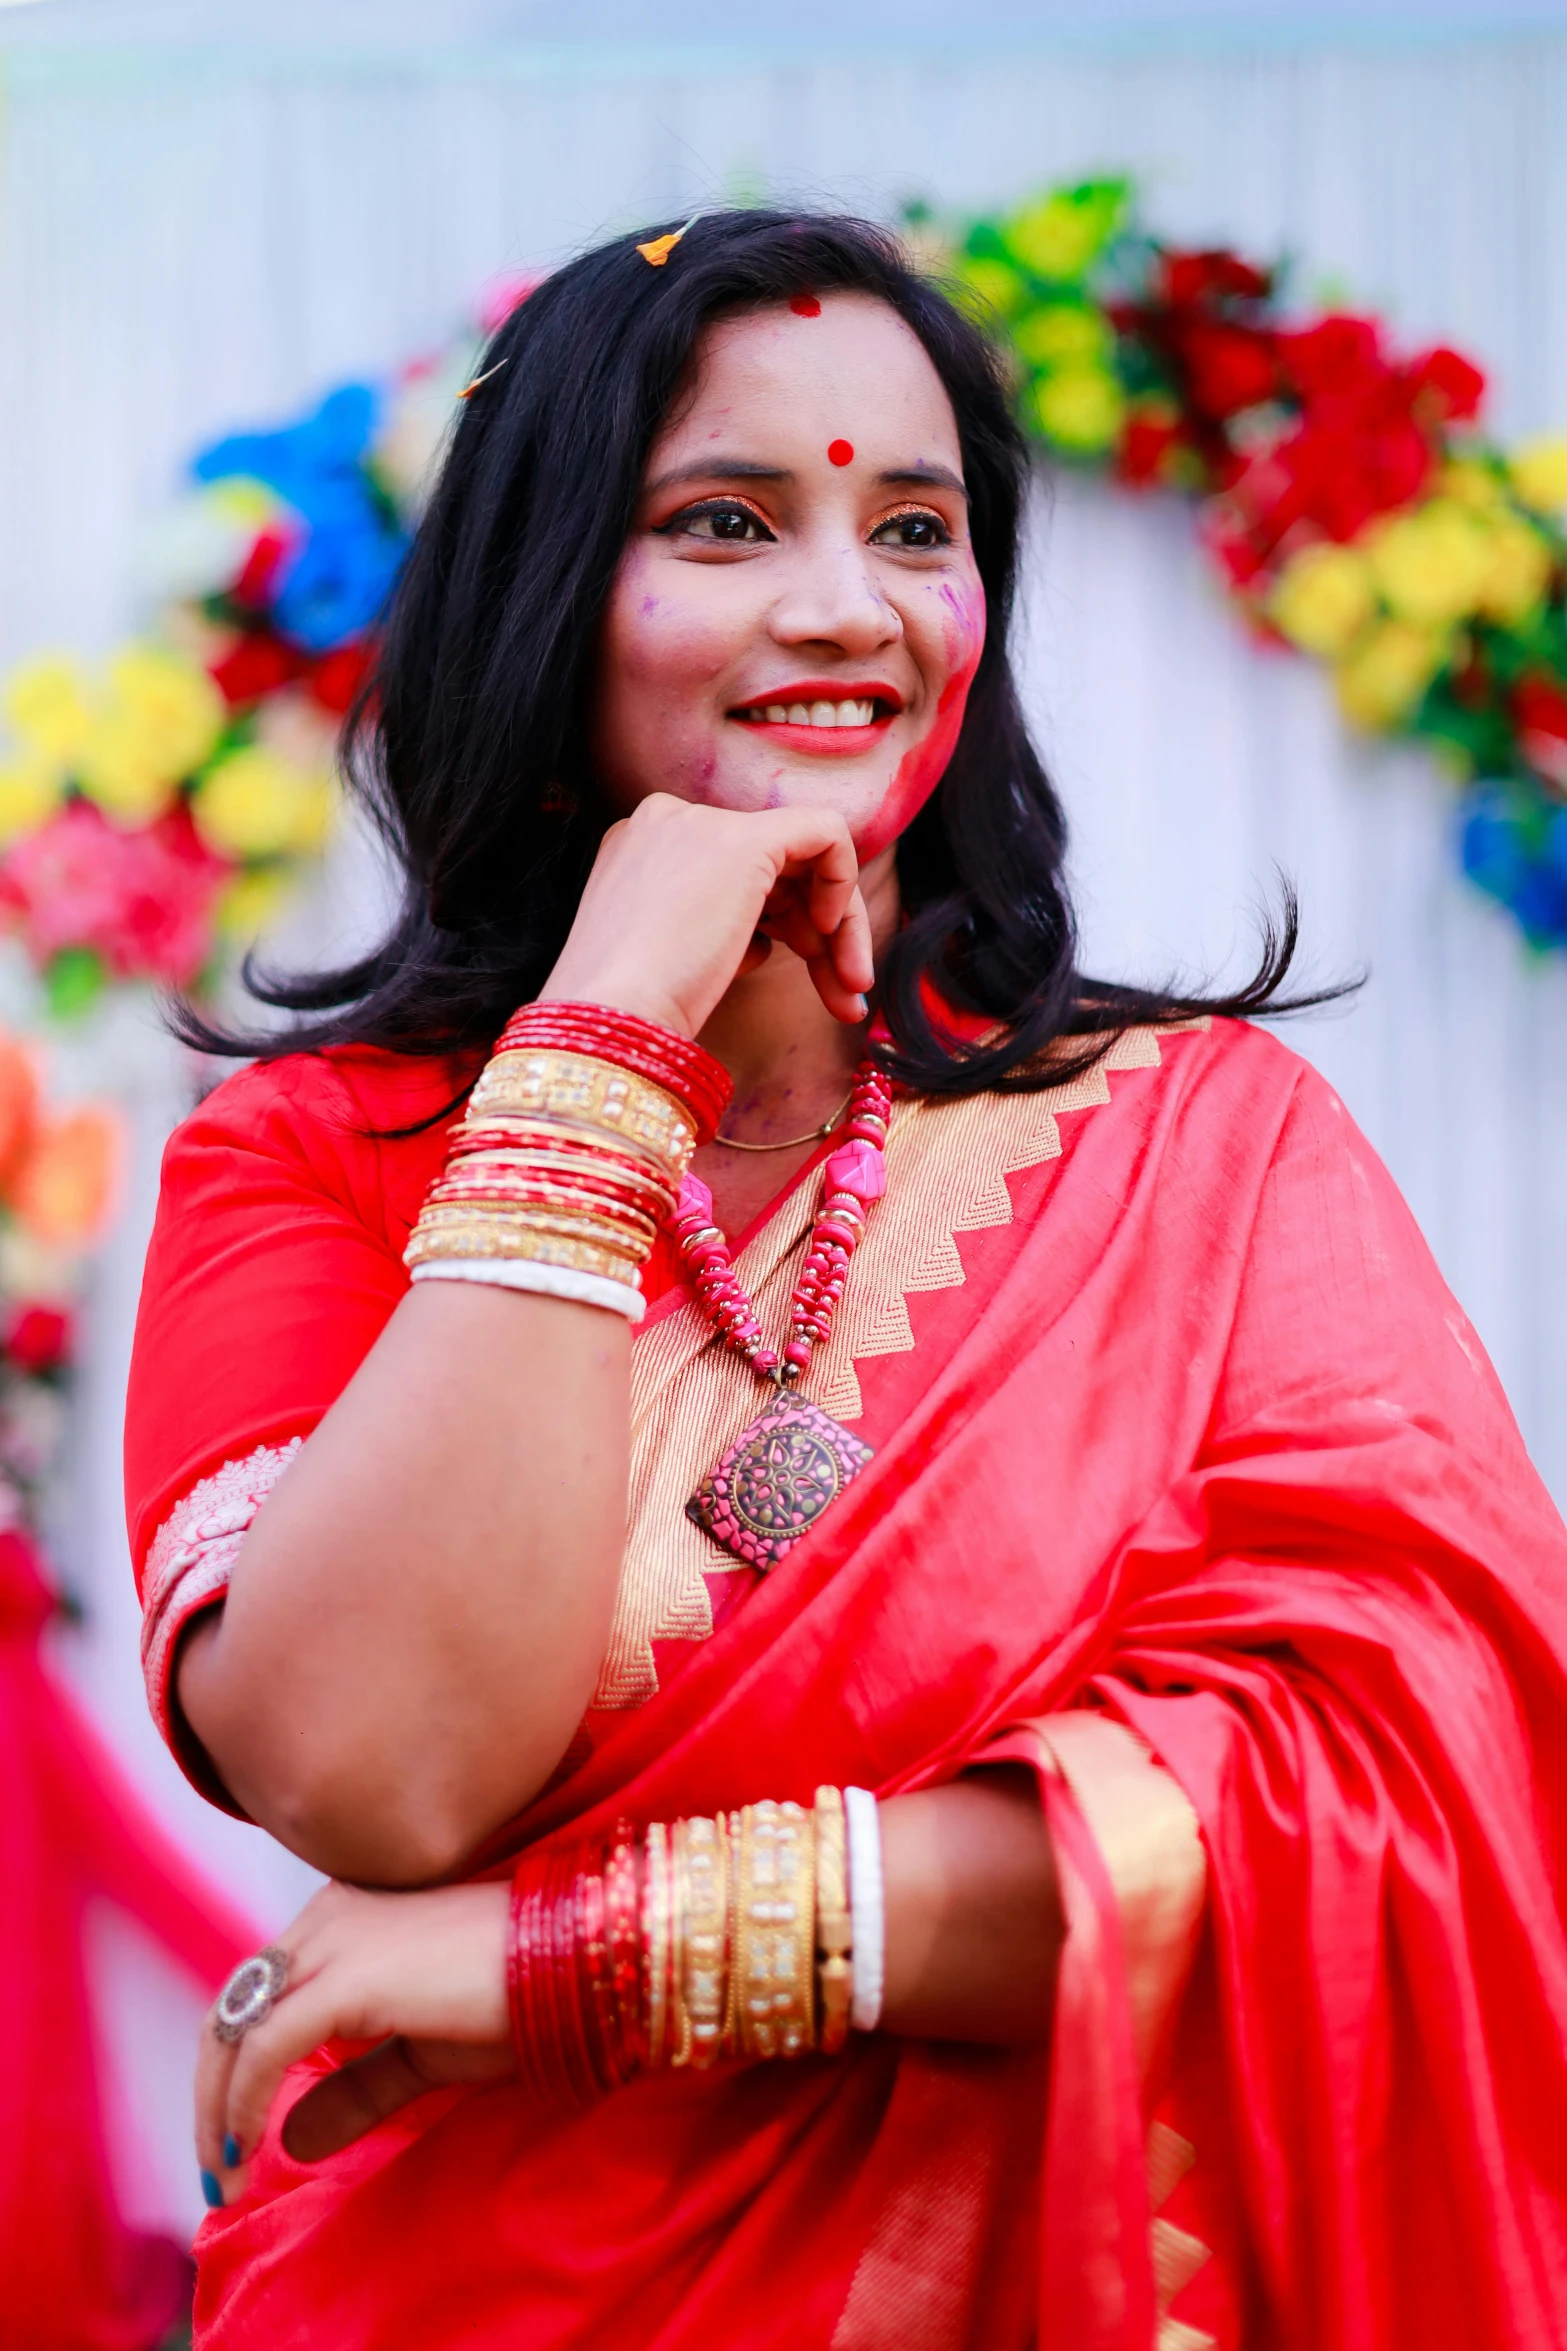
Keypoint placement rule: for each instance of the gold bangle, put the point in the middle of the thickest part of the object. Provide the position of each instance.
(731, 2041)
(679, 1909)
(705, 1853)
(584, 1212)
(834, 1927)
(464, 1233)
(777, 1911)
(598, 1094)
(656, 1938)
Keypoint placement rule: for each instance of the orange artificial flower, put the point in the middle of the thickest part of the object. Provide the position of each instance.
(63, 1190)
(18, 1106)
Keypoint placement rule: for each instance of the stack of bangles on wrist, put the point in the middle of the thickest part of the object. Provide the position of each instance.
(570, 1157)
(754, 1934)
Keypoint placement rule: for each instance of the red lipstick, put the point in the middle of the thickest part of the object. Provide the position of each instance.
(827, 741)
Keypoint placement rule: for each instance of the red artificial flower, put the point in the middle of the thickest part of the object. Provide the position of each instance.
(1453, 387)
(1336, 357)
(254, 584)
(38, 1339)
(258, 665)
(1187, 279)
(1228, 368)
(1540, 713)
(337, 677)
(1149, 438)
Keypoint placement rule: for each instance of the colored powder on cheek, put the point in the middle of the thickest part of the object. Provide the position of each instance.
(921, 770)
(840, 452)
(805, 306)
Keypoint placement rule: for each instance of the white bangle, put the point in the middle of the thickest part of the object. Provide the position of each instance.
(547, 1281)
(867, 1908)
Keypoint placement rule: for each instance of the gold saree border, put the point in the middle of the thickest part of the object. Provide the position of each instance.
(1148, 1835)
(947, 1165)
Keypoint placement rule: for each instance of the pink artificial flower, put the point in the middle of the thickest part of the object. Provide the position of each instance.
(503, 295)
(142, 899)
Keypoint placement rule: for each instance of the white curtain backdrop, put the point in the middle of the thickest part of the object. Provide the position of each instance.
(193, 240)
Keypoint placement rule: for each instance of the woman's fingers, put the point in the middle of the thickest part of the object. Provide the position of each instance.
(677, 892)
(214, 2066)
(298, 2025)
(335, 2112)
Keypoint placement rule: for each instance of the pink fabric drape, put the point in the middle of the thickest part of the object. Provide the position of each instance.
(73, 2277)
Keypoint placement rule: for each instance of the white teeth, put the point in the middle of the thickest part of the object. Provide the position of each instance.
(815, 714)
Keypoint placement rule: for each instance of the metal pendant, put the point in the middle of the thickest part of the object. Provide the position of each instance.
(777, 1478)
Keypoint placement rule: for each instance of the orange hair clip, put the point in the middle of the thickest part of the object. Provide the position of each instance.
(658, 249)
(469, 390)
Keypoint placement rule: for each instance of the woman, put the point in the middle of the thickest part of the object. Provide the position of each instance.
(1073, 1454)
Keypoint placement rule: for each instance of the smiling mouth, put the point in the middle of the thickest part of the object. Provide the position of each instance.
(857, 711)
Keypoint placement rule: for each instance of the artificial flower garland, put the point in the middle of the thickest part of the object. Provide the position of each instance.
(1348, 494)
(1351, 501)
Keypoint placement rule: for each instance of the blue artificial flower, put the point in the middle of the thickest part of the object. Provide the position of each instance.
(333, 583)
(1516, 850)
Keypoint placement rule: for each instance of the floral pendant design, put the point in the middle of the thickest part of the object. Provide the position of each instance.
(777, 1478)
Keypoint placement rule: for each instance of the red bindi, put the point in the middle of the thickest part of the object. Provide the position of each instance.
(840, 452)
(805, 306)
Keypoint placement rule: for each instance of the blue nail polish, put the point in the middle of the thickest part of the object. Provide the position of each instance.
(233, 2153)
(212, 2189)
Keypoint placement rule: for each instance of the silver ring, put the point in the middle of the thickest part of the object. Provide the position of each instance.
(251, 1993)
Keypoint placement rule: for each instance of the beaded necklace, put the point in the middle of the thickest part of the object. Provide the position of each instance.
(791, 1463)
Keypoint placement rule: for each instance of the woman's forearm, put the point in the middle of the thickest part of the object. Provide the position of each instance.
(973, 1936)
(416, 1618)
(973, 1915)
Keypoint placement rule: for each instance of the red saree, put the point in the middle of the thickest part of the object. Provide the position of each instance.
(1175, 1428)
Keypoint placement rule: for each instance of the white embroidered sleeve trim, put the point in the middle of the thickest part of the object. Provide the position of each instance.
(192, 1557)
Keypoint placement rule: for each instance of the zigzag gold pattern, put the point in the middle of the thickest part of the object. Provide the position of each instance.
(947, 1165)
(1177, 2256)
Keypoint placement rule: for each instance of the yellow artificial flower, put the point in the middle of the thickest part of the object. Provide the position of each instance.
(1430, 563)
(172, 703)
(988, 289)
(254, 804)
(1539, 472)
(249, 902)
(1383, 677)
(30, 792)
(47, 702)
(1324, 598)
(1081, 409)
(1062, 334)
(241, 498)
(122, 771)
(1468, 481)
(1519, 571)
(1059, 235)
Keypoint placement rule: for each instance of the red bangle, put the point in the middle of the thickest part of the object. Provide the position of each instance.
(571, 2036)
(623, 1927)
(678, 1064)
(524, 1950)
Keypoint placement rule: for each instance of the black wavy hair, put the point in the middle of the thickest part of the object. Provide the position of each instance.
(469, 747)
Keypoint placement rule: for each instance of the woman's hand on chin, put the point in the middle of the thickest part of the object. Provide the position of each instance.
(422, 1975)
(678, 894)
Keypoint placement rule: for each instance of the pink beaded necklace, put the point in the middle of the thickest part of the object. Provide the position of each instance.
(792, 1462)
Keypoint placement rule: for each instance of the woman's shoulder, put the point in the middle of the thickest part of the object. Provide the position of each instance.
(344, 1099)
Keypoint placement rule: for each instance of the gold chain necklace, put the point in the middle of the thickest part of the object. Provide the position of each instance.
(814, 1135)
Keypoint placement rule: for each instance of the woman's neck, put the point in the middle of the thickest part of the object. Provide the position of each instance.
(792, 1064)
